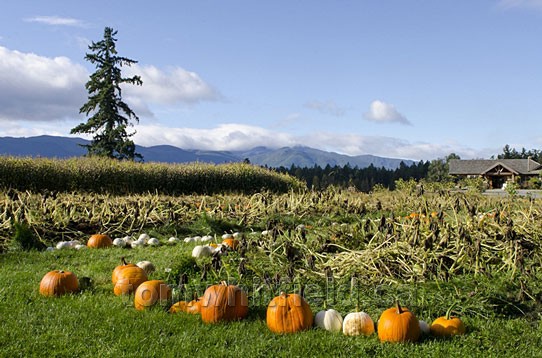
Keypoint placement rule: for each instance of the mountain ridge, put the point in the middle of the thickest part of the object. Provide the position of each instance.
(300, 156)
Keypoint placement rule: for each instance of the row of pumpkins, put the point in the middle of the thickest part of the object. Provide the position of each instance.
(286, 313)
(98, 241)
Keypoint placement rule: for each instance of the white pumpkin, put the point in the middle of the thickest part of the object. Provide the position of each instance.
(424, 327)
(206, 238)
(189, 240)
(227, 236)
(330, 320)
(357, 323)
(202, 251)
(80, 246)
(147, 266)
(265, 232)
(153, 242)
(236, 235)
(119, 242)
(63, 245)
(72, 244)
(136, 244)
(50, 248)
(144, 237)
(173, 240)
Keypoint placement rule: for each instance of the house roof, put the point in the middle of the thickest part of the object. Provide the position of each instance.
(482, 166)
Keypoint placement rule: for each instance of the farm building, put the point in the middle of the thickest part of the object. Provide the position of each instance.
(496, 171)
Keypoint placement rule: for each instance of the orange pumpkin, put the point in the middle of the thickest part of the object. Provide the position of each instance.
(231, 243)
(118, 269)
(150, 293)
(398, 324)
(192, 307)
(223, 302)
(58, 282)
(128, 280)
(448, 325)
(178, 307)
(288, 313)
(99, 241)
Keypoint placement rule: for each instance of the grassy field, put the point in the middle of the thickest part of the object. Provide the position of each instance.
(97, 323)
(342, 248)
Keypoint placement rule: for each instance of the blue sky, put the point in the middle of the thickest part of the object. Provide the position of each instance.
(404, 79)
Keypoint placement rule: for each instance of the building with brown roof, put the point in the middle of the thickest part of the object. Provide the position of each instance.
(496, 171)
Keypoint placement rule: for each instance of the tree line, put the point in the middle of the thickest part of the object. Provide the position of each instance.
(362, 179)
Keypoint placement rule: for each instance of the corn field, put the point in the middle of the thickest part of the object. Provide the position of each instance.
(99, 175)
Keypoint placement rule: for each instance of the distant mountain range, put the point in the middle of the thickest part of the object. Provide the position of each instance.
(65, 147)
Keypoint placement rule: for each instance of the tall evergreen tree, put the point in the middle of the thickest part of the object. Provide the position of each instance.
(110, 114)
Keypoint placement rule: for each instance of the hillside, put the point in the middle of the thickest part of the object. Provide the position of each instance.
(66, 147)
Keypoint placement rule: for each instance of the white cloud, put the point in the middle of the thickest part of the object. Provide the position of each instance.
(528, 4)
(38, 88)
(223, 137)
(240, 137)
(56, 21)
(172, 86)
(326, 107)
(380, 111)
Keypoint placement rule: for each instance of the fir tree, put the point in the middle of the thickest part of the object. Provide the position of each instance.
(110, 114)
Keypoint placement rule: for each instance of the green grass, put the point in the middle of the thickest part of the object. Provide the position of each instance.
(97, 323)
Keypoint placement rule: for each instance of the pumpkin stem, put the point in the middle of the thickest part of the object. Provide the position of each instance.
(449, 311)
(223, 283)
(60, 271)
(123, 260)
(325, 305)
(398, 306)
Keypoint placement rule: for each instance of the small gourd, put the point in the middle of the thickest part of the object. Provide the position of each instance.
(329, 319)
(424, 327)
(200, 251)
(358, 323)
(147, 266)
(448, 325)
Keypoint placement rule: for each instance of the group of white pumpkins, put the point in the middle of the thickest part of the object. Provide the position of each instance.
(206, 249)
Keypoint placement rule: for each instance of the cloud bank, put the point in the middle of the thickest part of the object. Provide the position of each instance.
(38, 88)
(56, 21)
(171, 86)
(241, 137)
(383, 112)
